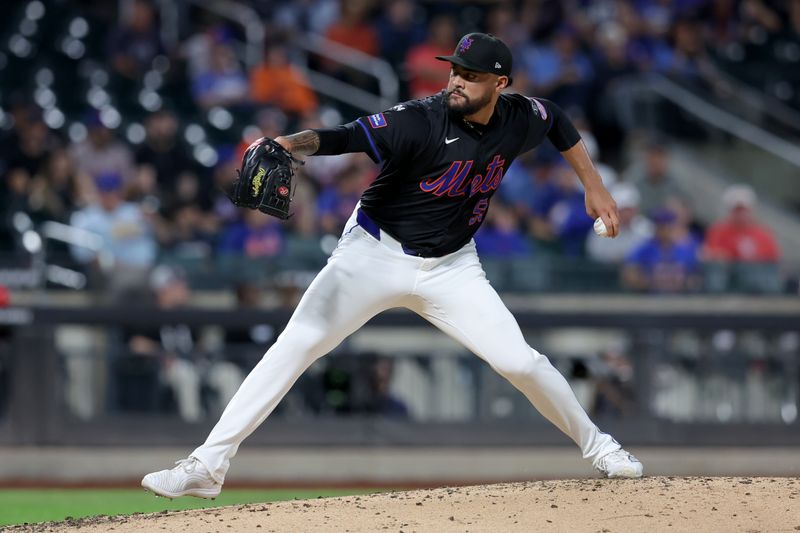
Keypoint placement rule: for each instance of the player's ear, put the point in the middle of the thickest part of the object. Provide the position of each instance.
(502, 82)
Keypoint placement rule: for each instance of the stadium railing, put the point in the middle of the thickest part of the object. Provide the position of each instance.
(696, 370)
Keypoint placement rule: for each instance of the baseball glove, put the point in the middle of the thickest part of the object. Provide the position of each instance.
(265, 180)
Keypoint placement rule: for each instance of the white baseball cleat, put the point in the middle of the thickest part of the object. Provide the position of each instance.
(619, 464)
(189, 478)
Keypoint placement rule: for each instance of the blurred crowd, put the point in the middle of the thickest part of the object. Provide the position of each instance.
(153, 195)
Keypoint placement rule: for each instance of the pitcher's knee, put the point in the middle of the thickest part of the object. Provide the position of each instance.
(307, 343)
(525, 364)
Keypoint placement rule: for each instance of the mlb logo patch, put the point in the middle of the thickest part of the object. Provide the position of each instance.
(538, 108)
(377, 120)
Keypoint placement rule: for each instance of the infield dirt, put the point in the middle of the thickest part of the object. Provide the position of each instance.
(696, 504)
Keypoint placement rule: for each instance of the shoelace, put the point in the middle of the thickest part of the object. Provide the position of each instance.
(188, 464)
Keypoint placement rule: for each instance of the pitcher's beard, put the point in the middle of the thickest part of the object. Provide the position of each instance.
(466, 106)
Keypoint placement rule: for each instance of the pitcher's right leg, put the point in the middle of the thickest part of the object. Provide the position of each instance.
(357, 284)
(359, 281)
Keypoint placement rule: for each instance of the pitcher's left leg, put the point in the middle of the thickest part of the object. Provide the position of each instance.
(459, 300)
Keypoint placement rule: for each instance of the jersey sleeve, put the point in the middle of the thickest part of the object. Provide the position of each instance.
(548, 119)
(399, 131)
(395, 132)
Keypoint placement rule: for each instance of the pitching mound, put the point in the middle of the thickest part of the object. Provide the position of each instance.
(649, 504)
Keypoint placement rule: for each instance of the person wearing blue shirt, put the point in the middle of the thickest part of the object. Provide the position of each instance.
(666, 263)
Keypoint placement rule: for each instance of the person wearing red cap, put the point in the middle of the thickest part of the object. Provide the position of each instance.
(739, 237)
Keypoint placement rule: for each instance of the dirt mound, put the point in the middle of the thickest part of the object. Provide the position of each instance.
(650, 504)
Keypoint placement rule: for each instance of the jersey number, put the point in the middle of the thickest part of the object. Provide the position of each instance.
(479, 211)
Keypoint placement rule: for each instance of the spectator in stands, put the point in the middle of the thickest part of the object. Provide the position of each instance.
(500, 236)
(18, 112)
(722, 22)
(190, 232)
(727, 21)
(162, 161)
(793, 26)
(278, 83)
(21, 158)
(516, 189)
(610, 106)
(687, 57)
(542, 18)
(353, 29)
(688, 226)
(23, 153)
(510, 25)
(224, 83)
(135, 44)
(381, 399)
(635, 229)
(666, 263)
(186, 365)
(126, 234)
(652, 178)
(29, 146)
(655, 17)
(398, 30)
(561, 219)
(607, 173)
(101, 152)
(336, 201)
(310, 16)
(58, 189)
(426, 74)
(13, 200)
(529, 188)
(196, 49)
(739, 237)
(256, 235)
(224, 173)
(559, 70)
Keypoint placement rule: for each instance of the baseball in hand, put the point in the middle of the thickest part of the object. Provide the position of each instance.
(600, 227)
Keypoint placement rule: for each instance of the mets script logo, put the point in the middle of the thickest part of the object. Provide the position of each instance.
(455, 180)
(465, 44)
(257, 181)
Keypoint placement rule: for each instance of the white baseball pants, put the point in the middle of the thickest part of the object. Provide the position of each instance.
(365, 276)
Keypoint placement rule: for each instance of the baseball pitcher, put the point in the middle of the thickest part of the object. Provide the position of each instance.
(409, 244)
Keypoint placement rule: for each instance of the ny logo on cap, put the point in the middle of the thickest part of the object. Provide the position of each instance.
(465, 44)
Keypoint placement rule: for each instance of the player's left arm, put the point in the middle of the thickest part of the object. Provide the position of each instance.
(599, 202)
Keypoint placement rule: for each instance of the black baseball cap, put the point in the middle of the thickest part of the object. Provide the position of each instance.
(482, 52)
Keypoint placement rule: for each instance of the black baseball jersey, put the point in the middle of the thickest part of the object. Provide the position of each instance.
(439, 171)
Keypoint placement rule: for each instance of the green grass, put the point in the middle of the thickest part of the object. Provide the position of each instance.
(43, 505)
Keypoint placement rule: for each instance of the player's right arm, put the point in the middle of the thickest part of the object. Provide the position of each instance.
(300, 144)
(382, 135)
